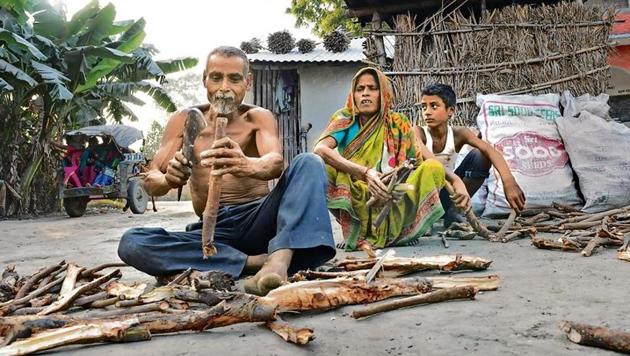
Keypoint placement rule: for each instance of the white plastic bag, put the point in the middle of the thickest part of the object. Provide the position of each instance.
(523, 129)
(600, 156)
(596, 105)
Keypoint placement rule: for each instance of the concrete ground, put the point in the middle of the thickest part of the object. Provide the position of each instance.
(539, 289)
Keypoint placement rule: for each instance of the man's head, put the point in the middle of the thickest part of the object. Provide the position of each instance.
(226, 77)
(367, 93)
(438, 104)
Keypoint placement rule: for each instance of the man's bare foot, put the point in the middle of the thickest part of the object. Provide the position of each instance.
(253, 264)
(272, 275)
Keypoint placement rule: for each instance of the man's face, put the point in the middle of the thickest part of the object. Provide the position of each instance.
(434, 110)
(367, 95)
(225, 82)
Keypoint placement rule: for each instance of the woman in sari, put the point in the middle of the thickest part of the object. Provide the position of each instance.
(365, 140)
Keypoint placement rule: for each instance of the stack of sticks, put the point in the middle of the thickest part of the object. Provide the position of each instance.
(66, 304)
(584, 232)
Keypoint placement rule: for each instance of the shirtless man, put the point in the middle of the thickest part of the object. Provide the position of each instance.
(272, 232)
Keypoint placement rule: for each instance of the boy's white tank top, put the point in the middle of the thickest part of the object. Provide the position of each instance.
(448, 156)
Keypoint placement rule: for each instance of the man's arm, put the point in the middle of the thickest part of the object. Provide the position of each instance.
(168, 169)
(228, 155)
(513, 192)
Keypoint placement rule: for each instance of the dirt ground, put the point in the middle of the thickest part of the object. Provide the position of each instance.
(539, 289)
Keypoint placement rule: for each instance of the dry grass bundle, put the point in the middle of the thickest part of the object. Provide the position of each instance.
(513, 50)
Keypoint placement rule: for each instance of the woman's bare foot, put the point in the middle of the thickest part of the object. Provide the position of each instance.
(272, 275)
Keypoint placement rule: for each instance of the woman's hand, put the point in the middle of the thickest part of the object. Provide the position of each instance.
(377, 188)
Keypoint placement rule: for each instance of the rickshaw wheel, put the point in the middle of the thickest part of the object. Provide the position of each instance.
(75, 207)
(137, 198)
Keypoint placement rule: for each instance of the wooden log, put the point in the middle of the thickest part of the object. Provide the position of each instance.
(334, 293)
(298, 336)
(212, 280)
(43, 300)
(66, 300)
(599, 241)
(72, 274)
(565, 207)
(212, 203)
(597, 336)
(124, 291)
(547, 244)
(104, 302)
(87, 332)
(145, 308)
(506, 225)
(9, 284)
(580, 225)
(88, 299)
(399, 266)
(94, 270)
(28, 285)
(466, 292)
(7, 309)
(536, 218)
(180, 277)
(482, 283)
(479, 228)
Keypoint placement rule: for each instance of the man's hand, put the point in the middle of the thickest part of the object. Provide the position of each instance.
(376, 187)
(226, 156)
(178, 171)
(461, 198)
(514, 195)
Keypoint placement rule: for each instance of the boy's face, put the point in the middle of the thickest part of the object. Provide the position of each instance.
(434, 111)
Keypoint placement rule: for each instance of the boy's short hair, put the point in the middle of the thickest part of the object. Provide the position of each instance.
(443, 91)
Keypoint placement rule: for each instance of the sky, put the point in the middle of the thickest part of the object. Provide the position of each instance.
(183, 28)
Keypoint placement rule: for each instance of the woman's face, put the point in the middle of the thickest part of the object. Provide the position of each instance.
(367, 95)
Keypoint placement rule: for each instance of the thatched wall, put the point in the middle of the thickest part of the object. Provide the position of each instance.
(514, 50)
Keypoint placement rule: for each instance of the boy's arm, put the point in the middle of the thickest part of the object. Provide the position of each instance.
(461, 197)
(513, 192)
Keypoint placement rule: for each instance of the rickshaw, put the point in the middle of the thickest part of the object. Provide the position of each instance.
(114, 168)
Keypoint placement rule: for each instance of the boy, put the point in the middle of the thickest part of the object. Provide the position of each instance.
(444, 141)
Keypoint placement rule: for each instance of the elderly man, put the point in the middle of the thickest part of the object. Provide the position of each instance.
(271, 232)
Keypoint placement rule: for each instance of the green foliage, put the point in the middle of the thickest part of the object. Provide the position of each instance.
(324, 15)
(58, 74)
(251, 46)
(152, 142)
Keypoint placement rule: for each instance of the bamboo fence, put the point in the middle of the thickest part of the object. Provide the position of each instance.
(513, 50)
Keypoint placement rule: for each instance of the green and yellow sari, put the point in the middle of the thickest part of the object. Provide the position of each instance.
(382, 142)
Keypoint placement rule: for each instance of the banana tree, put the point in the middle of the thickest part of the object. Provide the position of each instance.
(57, 74)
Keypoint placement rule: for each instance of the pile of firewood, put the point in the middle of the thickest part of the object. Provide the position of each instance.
(584, 232)
(581, 232)
(67, 304)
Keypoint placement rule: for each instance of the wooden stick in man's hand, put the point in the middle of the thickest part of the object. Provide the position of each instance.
(212, 203)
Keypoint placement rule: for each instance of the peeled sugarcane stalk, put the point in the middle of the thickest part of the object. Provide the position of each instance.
(66, 300)
(212, 203)
(334, 293)
(465, 292)
(479, 228)
(87, 332)
(597, 336)
(398, 266)
(298, 336)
